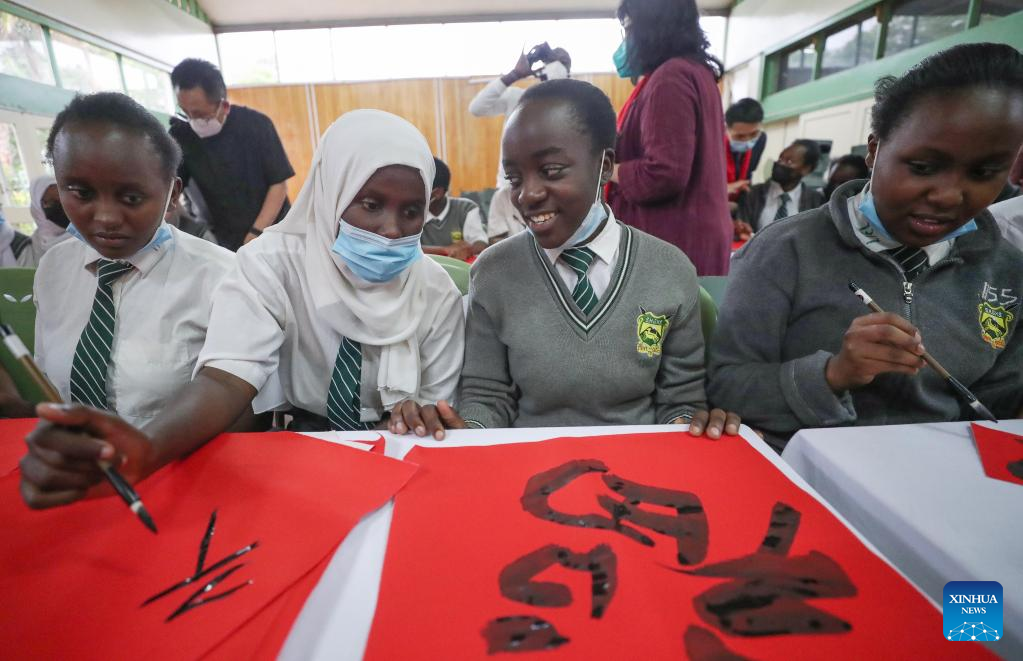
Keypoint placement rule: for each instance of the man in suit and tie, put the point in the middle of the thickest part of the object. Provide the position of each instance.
(784, 194)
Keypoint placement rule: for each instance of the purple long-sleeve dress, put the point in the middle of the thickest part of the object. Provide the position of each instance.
(671, 177)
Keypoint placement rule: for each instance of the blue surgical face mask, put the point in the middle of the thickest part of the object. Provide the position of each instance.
(372, 257)
(161, 236)
(596, 215)
(743, 147)
(869, 211)
(621, 60)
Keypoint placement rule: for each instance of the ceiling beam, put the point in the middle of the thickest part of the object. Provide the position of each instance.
(418, 20)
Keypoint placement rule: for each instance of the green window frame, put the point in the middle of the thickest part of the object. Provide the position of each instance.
(26, 95)
(882, 10)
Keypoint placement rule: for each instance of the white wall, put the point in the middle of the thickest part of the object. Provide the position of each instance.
(756, 26)
(153, 28)
(846, 125)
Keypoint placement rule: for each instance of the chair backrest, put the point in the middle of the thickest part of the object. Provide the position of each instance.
(18, 310)
(457, 269)
(481, 197)
(708, 316)
(715, 286)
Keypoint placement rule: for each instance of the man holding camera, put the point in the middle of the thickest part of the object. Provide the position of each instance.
(499, 97)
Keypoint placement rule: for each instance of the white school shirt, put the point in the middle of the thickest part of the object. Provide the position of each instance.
(503, 217)
(266, 330)
(472, 230)
(773, 202)
(605, 246)
(163, 310)
(496, 99)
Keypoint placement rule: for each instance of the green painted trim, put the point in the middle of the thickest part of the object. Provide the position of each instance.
(192, 8)
(28, 96)
(858, 83)
(120, 72)
(48, 38)
(884, 15)
(71, 31)
(973, 14)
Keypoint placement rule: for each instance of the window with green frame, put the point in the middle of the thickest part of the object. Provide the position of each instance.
(36, 49)
(23, 49)
(887, 28)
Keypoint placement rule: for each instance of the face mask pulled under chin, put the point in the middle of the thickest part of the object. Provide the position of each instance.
(372, 257)
(594, 217)
(162, 234)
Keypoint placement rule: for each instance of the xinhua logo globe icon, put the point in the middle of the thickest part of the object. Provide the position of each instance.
(973, 631)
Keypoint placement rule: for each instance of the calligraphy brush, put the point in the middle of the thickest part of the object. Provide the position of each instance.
(956, 384)
(116, 480)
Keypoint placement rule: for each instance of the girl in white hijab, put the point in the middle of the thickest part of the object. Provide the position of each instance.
(51, 221)
(334, 314)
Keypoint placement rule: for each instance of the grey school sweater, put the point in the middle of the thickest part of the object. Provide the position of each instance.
(532, 359)
(788, 306)
(451, 226)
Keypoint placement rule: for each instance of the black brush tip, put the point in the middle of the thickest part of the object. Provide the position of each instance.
(146, 519)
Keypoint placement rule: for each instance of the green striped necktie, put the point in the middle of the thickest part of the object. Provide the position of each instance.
(92, 356)
(580, 260)
(344, 402)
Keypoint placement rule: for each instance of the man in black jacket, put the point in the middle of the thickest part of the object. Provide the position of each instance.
(784, 194)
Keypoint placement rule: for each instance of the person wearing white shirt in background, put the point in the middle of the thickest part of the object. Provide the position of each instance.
(124, 342)
(333, 314)
(454, 225)
(500, 97)
(51, 221)
(1009, 216)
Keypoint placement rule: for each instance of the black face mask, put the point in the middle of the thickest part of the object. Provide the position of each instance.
(785, 175)
(55, 214)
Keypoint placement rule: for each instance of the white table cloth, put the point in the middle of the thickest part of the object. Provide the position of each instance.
(920, 495)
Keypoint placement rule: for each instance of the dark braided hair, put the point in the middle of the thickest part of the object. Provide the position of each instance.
(662, 29)
(592, 110)
(961, 67)
(121, 111)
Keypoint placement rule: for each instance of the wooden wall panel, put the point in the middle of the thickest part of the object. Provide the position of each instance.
(439, 108)
(286, 105)
(473, 144)
(415, 100)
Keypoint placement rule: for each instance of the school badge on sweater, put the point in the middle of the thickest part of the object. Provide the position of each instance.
(650, 331)
(994, 316)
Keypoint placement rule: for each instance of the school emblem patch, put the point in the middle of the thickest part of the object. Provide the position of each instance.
(650, 330)
(994, 323)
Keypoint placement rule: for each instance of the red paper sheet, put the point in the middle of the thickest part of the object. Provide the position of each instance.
(12, 442)
(462, 541)
(1001, 453)
(74, 578)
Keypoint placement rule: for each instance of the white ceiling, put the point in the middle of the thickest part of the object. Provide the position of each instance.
(250, 14)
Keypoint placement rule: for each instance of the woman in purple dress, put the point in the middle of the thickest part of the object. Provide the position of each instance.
(669, 179)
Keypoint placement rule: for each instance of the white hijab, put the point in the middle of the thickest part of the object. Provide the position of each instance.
(385, 314)
(6, 237)
(48, 233)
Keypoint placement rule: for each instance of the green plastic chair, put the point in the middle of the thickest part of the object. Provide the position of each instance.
(18, 310)
(715, 286)
(708, 315)
(457, 269)
(482, 198)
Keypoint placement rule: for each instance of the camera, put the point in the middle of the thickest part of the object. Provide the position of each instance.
(540, 53)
